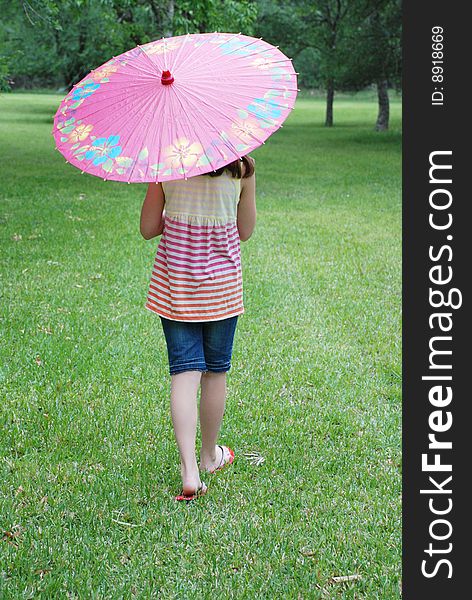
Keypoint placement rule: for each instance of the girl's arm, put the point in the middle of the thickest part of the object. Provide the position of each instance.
(152, 212)
(246, 218)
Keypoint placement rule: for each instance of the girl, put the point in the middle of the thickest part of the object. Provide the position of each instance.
(196, 289)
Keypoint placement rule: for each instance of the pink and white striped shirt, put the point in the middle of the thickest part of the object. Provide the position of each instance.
(197, 272)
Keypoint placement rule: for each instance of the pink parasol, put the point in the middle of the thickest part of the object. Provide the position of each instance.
(176, 107)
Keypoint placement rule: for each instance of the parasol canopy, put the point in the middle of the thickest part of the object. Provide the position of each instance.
(176, 107)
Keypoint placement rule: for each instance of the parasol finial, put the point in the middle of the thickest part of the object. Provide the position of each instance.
(166, 78)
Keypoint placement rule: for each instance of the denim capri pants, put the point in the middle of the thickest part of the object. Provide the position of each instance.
(199, 345)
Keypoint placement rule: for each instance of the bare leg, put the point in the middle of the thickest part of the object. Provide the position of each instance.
(212, 407)
(183, 400)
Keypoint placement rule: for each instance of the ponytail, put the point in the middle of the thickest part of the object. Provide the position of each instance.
(235, 168)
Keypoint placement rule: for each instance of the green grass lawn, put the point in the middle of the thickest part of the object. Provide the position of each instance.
(89, 465)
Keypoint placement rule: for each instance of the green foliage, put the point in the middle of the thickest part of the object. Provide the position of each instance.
(375, 31)
(26, 58)
(307, 64)
(350, 43)
(205, 16)
(281, 25)
(57, 42)
(278, 24)
(42, 11)
(5, 81)
(58, 51)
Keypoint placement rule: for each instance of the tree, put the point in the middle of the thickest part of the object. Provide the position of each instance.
(314, 28)
(325, 22)
(375, 31)
(354, 42)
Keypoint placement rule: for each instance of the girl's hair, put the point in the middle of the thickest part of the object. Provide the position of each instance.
(235, 168)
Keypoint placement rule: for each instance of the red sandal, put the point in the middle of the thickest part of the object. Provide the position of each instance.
(200, 491)
(227, 458)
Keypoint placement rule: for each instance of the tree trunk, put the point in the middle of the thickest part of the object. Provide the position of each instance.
(329, 103)
(384, 106)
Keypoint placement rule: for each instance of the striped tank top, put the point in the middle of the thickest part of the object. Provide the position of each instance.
(197, 273)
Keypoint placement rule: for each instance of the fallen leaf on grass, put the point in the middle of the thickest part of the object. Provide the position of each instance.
(125, 523)
(8, 536)
(345, 578)
(324, 592)
(16, 237)
(120, 513)
(308, 552)
(254, 458)
(42, 572)
(45, 329)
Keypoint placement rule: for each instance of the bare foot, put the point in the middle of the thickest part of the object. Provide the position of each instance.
(190, 480)
(189, 488)
(201, 490)
(209, 463)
